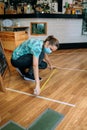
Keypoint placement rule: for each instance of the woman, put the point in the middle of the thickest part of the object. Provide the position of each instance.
(29, 57)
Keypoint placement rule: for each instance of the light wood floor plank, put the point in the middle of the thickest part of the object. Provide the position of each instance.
(68, 84)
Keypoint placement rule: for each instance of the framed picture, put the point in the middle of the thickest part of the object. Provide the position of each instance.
(38, 28)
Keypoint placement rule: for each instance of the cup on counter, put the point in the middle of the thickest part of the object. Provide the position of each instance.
(18, 24)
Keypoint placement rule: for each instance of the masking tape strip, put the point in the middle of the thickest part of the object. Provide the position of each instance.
(41, 97)
(43, 86)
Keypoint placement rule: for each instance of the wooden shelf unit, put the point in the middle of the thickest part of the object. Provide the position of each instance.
(11, 40)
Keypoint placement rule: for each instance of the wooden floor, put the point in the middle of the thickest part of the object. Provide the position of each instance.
(68, 85)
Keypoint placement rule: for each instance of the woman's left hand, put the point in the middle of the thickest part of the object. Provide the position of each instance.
(52, 67)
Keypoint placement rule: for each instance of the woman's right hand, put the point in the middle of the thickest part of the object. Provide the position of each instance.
(37, 91)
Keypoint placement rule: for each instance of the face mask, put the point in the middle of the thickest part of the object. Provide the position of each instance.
(47, 50)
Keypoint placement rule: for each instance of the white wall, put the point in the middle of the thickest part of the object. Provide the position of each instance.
(66, 30)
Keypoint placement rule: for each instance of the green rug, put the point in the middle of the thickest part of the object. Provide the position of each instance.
(48, 120)
(11, 126)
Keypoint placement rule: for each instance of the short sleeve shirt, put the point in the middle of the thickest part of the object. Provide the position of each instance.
(30, 46)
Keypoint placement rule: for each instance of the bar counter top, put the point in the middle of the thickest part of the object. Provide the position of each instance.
(40, 15)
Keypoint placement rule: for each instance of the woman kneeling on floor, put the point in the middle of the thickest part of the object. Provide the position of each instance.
(32, 55)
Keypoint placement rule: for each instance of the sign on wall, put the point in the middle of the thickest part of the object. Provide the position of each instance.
(3, 67)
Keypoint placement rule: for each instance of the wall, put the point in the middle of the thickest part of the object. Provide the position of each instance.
(66, 30)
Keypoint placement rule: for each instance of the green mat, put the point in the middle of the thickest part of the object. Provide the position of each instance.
(11, 126)
(48, 120)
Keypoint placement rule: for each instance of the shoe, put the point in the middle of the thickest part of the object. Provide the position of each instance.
(19, 71)
(30, 78)
(43, 65)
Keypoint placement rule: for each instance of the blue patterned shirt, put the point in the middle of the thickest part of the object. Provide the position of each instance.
(31, 46)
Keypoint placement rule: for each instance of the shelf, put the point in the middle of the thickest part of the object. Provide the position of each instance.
(15, 28)
(40, 15)
(11, 40)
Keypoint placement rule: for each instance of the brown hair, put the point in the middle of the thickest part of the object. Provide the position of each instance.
(52, 41)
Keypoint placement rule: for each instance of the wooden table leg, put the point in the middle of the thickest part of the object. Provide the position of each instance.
(2, 87)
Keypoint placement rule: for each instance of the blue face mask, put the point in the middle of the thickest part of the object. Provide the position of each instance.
(47, 50)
